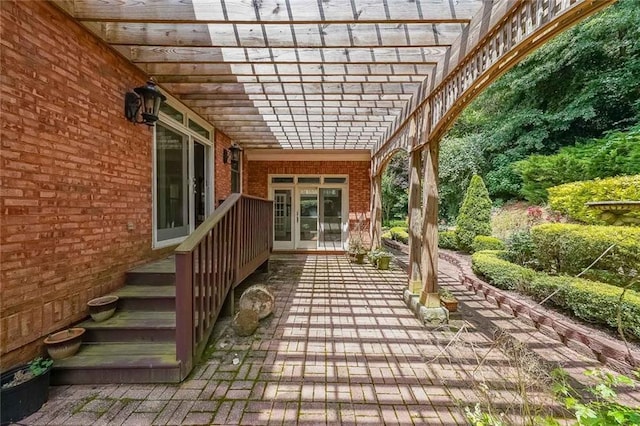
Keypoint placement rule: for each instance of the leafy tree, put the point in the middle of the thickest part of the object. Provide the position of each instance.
(475, 214)
(578, 86)
(614, 155)
(395, 188)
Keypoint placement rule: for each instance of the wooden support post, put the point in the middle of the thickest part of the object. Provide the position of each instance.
(415, 222)
(376, 210)
(429, 295)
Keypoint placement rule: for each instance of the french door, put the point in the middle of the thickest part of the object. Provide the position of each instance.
(309, 218)
(182, 181)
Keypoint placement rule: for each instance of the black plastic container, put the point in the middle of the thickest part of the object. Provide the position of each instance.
(24, 399)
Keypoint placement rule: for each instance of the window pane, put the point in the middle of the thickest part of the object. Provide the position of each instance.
(308, 180)
(282, 214)
(335, 180)
(171, 184)
(199, 129)
(281, 180)
(172, 112)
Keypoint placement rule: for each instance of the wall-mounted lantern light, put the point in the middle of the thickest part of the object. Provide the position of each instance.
(232, 154)
(148, 98)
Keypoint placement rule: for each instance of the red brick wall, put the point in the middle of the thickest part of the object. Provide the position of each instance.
(223, 171)
(257, 173)
(74, 173)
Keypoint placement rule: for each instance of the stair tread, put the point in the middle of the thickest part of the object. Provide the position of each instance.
(135, 320)
(146, 291)
(121, 355)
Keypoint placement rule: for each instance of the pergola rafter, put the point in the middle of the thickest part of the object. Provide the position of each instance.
(269, 63)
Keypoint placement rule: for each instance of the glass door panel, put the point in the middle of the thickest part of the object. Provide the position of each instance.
(282, 219)
(172, 194)
(307, 236)
(331, 218)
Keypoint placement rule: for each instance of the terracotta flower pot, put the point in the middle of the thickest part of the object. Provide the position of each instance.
(450, 304)
(102, 308)
(65, 343)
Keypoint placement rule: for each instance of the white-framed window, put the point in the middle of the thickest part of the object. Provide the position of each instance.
(183, 173)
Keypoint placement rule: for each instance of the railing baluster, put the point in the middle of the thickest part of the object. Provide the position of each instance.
(221, 252)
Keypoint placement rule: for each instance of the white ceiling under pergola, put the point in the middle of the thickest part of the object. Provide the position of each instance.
(302, 74)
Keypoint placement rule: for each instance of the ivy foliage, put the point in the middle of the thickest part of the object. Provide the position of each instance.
(576, 87)
(475, 215)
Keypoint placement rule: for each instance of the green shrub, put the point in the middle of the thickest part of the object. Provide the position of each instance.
(570, 198)
(501, 273)
(397, 224)
(569, 249)
(447, 240)
(614, 155)
(386, 235)
(521, 249)
(475, 214)
(591, 301)
(400, 234)
(482, 242)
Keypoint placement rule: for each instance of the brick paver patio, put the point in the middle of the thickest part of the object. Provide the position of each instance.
(341, 348)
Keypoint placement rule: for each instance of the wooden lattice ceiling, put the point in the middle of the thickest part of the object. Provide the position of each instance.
(310, 74)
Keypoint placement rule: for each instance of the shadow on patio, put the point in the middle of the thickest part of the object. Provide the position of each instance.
(341, 347)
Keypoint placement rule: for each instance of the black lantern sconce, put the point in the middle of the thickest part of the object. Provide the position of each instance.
(231, 155)
(147, 97)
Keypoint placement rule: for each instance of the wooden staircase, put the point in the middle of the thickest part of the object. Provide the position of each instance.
(168, 308)
(137, 344)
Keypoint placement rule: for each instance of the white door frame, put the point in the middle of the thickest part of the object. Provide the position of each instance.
(295, 187)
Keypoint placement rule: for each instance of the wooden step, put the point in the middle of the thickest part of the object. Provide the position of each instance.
(160, 272)
(147, 298)
(132, 326)
(135, 362)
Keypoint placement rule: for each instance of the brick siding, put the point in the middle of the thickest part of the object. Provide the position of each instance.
(74, 173)
(223, 171)
(257, 181)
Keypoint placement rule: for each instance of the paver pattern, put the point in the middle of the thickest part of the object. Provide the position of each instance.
(340, 348)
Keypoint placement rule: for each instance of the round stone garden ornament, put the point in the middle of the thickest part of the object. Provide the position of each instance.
(259, 299)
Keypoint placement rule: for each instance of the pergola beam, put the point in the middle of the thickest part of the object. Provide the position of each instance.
(271, 11)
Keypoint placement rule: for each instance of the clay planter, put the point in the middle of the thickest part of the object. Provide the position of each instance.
(102, 308)
(450, 304)
(64, 344)
(383, 262)
(25, 398)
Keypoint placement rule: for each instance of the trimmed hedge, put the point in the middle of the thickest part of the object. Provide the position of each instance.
(447, 240)
(591, 301)
(397, 224)
(400, 233)
(501, 273)
(569, 249)
(570, 198)
(483, 242)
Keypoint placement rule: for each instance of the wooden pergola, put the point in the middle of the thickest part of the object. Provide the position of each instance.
(380, 75)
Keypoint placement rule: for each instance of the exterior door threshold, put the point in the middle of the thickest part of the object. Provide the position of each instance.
(310, 251)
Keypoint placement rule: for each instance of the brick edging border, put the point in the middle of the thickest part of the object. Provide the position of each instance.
(605, 350)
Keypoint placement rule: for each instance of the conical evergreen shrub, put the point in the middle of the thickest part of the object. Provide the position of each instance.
(474, 217)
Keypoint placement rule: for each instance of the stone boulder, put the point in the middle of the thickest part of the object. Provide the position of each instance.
(259, 299)
(245, 322)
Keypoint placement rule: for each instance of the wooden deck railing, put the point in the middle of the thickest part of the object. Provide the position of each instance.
(226, 248)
